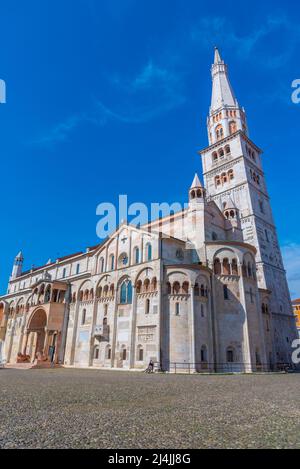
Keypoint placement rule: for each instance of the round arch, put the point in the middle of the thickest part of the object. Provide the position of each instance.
(139, 274)
(38, 320)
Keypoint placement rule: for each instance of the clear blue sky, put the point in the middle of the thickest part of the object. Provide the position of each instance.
(108, 97)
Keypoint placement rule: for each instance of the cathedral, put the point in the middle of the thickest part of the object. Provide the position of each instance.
(203, 289)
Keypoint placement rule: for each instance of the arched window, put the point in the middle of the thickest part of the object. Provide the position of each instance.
(136, 255)
(177, 309)
(215, 157)
(230, 355)
(219, 132)
(227, 150)
(230, 175)
(203, 353)
(126, 293)
(147, 306)
(226, 267)
(176, 288)
(267, 236)
(140, 353)
(232, 127)
(48, 295)
(224, 178)
(234, 267)
(96, 353)
(112, 262)
(123, 295)
(124, 353)
(257, 357)
(101, 264)
(139, 286)
(185, 288)
(217, 180)
(221, 152)
(77, 269)
(108, 352)
(146, 285)
(83, 317)
(149, 252)
(226, 292)
(217, 267)
(154, 284)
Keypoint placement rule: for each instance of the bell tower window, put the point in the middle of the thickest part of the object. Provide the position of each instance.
(219, 132)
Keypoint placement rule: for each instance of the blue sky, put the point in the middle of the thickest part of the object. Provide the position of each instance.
(110, 97)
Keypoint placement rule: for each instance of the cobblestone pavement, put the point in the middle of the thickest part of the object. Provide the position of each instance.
(68, 408)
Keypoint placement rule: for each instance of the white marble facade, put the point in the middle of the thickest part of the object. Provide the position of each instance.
(211, 296)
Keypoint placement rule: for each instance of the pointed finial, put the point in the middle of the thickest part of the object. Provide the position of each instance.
(19, 257)
(217, 56)
(196, 182)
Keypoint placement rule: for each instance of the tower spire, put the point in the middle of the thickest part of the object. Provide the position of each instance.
(197, 192)
(225, 115)
(217, 56)
(17, 267)
(222, 92)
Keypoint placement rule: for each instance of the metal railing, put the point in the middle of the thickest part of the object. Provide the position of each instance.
(207, 368)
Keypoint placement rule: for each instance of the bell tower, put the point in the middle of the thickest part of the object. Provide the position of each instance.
(232, 167)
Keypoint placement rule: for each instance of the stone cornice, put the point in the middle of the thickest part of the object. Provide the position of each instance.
(228, 139)
(231, 243)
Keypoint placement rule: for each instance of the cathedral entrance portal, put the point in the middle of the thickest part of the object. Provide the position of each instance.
(36, 334)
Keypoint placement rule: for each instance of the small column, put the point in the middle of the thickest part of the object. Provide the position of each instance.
(26, 342)
(46, 342)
